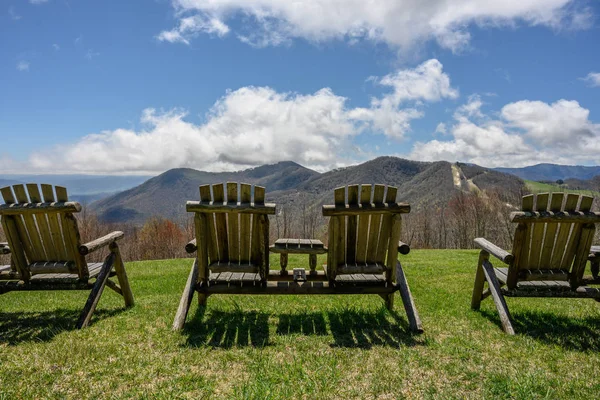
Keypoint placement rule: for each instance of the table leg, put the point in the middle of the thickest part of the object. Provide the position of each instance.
(312, 263)
(283, 261)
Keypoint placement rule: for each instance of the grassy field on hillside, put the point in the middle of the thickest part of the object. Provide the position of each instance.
(539, 187)
(299, 346)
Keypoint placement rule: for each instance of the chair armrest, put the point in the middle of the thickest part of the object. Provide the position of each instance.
(403, 248)
(4, 249)
(494, 250)
(191, 246)
(94, 245)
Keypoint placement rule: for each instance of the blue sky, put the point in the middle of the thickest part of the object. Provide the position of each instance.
(132, 87)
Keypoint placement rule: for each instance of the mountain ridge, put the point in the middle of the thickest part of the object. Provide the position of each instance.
(291, 185)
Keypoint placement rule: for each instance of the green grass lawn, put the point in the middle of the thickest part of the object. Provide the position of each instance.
(540, 187)
(299, 346)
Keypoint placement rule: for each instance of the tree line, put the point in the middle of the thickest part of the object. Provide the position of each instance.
(450, 225)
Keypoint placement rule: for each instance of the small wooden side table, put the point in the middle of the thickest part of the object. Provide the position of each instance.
(312, 247)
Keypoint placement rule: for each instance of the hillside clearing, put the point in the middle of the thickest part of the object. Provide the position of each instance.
(539, 187)
(299, 347)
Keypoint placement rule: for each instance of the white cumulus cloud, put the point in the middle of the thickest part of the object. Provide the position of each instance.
(401, 24)
(257, 125)
(527, 133)
(427, 82)
(592, 79)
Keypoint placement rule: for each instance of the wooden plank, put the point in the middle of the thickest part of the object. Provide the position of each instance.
(560, 217)
(221, 224)
(202, 252)
(70, 232)
(54, 225)
(225, 276)
(562, 234)
(392, 253)
(245, 233)
(501, 306)
(232, 208)
(586, 203)
(386, 225)
(186, 298)
(375, 226)
(228, 267)
(122, 275)
(37, 250)
(575, 234)
(340, 229)
(18, 254)
(205, 197)
(351, 226)
(363, 225)
(414, 321)
(526, 206)
(233, 230)
(259, 195)
(256, 249)
(537, 235)
(96, 292)
(31, 208)
(582, 253)
(236, 277)
(556, 201)
(42, 224)
(211, 240)
(70, 223)
(361, 268)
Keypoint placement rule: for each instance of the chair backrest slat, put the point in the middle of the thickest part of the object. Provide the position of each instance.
(37, 250)
(54, 224)
(386, 226)
(221, 223)
(258, 225)
(362, 232)
(375, 226)
(351, 225)
(233, 225)
(41, 221)
(537, 233)
(212, 247)
(555, 205)
(245, 221)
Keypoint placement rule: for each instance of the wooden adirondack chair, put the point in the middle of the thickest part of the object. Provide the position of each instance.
(364, 241)
(46, 249)
(551, 246)
(232, 242)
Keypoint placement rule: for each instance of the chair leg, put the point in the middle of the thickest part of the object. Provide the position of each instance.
(122, 276)
(94, 297)
(498, 297)
(389, 301)
(479, 281)
(409, 305)
(186, 298)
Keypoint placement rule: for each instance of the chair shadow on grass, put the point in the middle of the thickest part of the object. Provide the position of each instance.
(580, 334)
(351, 328)
(19, 327)
(363, 329)
(226, 329)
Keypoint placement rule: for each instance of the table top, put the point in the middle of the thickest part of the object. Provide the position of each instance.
(298, 246)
